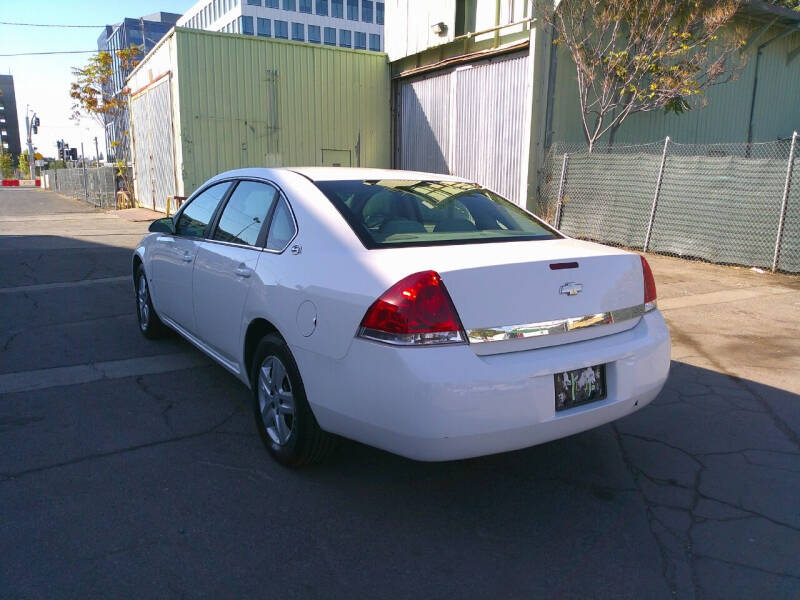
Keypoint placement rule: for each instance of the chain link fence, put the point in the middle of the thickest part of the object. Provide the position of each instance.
(736, 204)
(97, 186)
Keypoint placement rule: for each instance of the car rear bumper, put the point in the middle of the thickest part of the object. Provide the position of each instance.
(444, 403)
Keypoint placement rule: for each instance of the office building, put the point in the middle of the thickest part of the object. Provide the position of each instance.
(143, 32)
(356, 24)
(9, 124)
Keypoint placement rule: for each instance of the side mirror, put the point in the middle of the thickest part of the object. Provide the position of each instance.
(165, 225)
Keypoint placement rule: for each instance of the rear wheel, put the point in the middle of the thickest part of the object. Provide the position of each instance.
(283, 417)
(149, 323)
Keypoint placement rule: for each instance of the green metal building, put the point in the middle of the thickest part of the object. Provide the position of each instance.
(204, 102)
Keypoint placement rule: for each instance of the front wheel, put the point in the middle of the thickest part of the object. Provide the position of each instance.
(283, 417)
(149, 323)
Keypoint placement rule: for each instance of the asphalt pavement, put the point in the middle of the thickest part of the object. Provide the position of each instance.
(132, 468)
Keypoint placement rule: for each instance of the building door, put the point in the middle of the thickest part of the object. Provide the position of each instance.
(472, 121)
(154, 156)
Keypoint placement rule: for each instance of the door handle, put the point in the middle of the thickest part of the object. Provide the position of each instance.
(242, 271)
(187, 257)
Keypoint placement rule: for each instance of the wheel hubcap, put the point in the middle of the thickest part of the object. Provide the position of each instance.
(142, 302)
(276, 400)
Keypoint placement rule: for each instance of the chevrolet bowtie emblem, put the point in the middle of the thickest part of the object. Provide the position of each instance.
(570, 289)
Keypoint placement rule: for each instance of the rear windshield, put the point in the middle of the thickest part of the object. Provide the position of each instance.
(391, 213)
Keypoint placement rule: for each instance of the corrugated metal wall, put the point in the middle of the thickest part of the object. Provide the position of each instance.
(246, 102)
(471, 121)
(724, 119)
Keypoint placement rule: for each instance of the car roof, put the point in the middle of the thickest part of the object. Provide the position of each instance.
(342, 174)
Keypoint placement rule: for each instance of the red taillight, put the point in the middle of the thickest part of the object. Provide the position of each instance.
(416, 310)
(649, 286)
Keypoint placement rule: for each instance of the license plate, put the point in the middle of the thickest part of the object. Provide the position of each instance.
(580, 386)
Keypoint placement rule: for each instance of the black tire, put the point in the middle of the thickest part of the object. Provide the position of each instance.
(149, 324)
(299, 440)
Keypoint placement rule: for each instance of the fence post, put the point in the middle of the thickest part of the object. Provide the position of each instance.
(784, 202)
(655, 196)
(557, 220)
(85, 184)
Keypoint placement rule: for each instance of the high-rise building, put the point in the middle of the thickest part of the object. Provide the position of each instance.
(9, 125)
(354, 24)
(143, 32)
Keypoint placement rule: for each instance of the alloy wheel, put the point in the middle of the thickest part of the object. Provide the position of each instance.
(276, 400)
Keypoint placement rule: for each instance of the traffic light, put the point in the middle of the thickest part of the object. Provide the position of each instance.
(35, 125)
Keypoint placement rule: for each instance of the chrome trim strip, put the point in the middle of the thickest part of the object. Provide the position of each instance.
(529, 330)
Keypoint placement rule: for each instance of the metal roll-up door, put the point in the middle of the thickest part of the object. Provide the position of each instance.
(470, 121)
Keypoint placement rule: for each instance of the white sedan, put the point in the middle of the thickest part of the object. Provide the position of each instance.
(419, 313)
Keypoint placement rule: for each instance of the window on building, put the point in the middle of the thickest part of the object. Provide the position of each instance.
(264, 27)
(337, 9)
(281, 29)
(254, 2)
(330, 36)
(289, 4)
(305, 6)
(247, 25)
(344, 38)
(465, 16)
(374, 42)
(366, 10)
(322, 7)
(379, 13)
(352, 10)
(272, 3)
(298, 32)
(4, 132)
(360, 40)
(314, 34)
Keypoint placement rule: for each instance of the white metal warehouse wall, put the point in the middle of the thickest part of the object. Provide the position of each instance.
(470, 121)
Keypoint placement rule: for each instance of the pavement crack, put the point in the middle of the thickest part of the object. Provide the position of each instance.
(4, 477)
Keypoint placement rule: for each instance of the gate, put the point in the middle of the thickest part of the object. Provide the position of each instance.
(472, 121)
(153, 155)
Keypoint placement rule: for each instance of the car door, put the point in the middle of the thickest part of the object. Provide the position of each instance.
(226, 265)
(172, 257)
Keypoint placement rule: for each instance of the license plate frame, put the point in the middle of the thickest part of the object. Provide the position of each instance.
(579, 386)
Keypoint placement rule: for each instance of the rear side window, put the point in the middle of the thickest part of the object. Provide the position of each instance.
(198, 213)
(391, 213)
(282, 228)
(245, 213)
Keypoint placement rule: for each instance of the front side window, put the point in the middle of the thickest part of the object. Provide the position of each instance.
(298, 32)
(337, 9)
(245, 213)
(375, 42)
(344, 38)
(305, 6)
(314, 34)
(282, 228)
(366, 11)
(360, 40)
(281, 29)
(322, 7)
(264, 27)
(247, 25)
(198, 213)
(330, 36)
(391, 213)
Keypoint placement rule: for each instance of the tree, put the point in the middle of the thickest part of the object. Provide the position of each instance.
(632, 56)
(6, 165)
(92, 91)
(23, 165)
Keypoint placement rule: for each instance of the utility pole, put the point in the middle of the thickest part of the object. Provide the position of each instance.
(96, 153)
(31, 124)
(85, 183)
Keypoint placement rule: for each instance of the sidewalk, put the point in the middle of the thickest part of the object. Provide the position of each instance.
(138, 214)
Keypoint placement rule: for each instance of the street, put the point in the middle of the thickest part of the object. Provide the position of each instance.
(132, 468)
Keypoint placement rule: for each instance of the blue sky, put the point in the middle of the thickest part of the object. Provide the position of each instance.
(43, 81)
